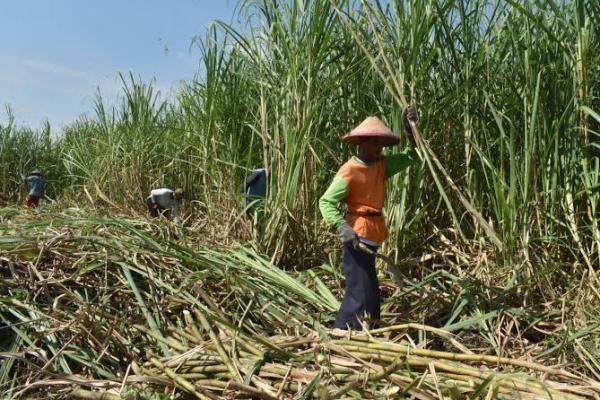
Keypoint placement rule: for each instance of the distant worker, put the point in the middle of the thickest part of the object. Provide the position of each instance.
(36, 183)
(165, 199)
(254, 189)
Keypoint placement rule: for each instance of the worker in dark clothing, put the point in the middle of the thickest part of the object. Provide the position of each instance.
(360, 184)
(254, 191)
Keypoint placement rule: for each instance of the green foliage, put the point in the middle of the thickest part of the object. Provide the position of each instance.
(23, 149)
(506, 90)
(131, 393)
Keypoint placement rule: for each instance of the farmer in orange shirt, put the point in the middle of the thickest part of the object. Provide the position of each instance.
(360, 183)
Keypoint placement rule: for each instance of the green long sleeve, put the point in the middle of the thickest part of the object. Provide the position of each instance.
(395, 163)
(337, 191)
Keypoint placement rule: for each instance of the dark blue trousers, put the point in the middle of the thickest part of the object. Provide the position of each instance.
(362, 289)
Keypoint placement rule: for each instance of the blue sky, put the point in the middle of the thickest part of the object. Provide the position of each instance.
(55, 53)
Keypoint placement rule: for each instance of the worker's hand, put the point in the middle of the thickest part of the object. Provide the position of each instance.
(409, 115)
(347, 234)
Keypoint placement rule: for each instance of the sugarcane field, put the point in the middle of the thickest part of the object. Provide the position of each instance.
(345, 199)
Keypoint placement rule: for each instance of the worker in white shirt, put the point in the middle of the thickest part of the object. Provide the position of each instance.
(165, 199)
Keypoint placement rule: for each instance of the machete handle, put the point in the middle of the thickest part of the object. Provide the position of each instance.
(363, 247)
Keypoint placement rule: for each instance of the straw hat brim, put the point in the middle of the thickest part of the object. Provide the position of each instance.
(387, 139)
(372, 128)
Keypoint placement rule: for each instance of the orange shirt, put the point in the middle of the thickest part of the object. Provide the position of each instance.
(365, 199)
(362, 187)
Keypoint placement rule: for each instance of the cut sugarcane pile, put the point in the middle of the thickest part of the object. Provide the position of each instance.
(212, 360)
(101, 308)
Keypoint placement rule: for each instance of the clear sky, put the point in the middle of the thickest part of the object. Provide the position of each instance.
(55, 53)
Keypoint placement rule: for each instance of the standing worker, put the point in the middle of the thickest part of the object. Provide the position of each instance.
(360, 183)
(36, 183)
(254, 191)
(165, 199)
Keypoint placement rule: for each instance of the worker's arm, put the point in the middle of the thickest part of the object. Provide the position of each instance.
(395, 163)
(153, 198)
(337, 191)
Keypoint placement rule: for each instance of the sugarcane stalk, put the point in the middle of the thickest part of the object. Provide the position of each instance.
(191, 324)
(392, 347)
(361, 378)
(165, 340)
(471, 382)
(398, 380)
(235, 374)
(429, 154)
(209, 369)
(416, 361)
(89, 395)
(181, 382)
(440, 332)
(243, 339)
(250, 390)
(183, 336)
(192, 362)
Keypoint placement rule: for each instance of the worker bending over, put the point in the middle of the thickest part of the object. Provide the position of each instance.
(165, 199)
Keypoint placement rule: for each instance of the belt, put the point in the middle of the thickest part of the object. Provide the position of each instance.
(367, 214)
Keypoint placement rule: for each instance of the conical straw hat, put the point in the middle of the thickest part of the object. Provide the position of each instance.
(372, 127)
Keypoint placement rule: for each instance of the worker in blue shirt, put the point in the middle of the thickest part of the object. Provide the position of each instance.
(35, 180)
(254, 191)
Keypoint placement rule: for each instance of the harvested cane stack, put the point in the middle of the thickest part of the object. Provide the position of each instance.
(106, 309)
(213, 361)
